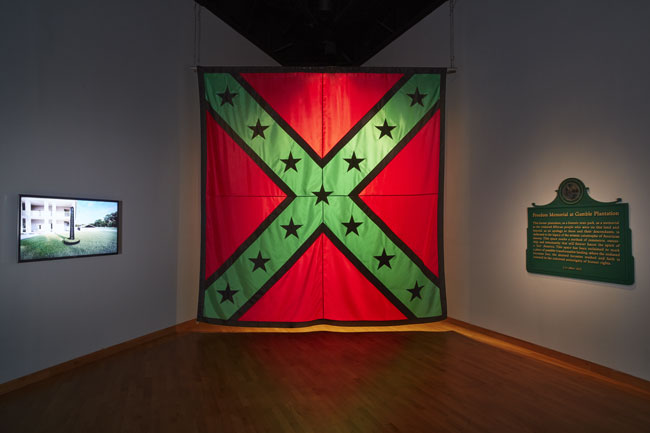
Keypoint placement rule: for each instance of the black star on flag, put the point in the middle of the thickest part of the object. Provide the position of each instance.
(353, 162)
(258, 129)
(322, 195)
(415, 291)
(259, 262)
(291, 228)
(227, 294)
(384, 259)
(385, 129)
(352, 226)
(416, 97)
(290, 162)
(227, 96)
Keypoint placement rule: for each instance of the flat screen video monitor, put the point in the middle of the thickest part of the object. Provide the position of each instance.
(64, 227)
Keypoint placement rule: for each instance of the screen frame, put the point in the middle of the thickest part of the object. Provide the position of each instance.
(43, 196)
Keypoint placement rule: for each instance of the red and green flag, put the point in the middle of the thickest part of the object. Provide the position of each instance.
(322, 196)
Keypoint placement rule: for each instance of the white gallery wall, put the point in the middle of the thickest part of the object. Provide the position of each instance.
(545, 90)
(98, 100)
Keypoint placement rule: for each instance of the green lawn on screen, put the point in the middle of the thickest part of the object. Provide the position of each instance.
(50, 245)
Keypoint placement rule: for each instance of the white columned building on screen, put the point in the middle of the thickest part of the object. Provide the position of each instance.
(45, 215)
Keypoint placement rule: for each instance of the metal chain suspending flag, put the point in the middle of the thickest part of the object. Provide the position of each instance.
(321, 196)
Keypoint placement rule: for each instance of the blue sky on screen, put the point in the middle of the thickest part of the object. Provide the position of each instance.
(90, 211)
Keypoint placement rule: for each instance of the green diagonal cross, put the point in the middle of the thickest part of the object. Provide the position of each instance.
(322, 196)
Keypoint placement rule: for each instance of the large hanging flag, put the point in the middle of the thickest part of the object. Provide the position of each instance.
(322, 196)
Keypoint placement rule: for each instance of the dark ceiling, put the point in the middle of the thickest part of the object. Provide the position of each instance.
(321, 32)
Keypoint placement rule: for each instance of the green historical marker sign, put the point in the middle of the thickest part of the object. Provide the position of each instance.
(576, 236)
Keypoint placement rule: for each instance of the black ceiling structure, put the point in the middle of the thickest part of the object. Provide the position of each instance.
(321, 32)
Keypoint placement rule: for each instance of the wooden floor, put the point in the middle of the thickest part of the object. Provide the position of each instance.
(323, 382)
